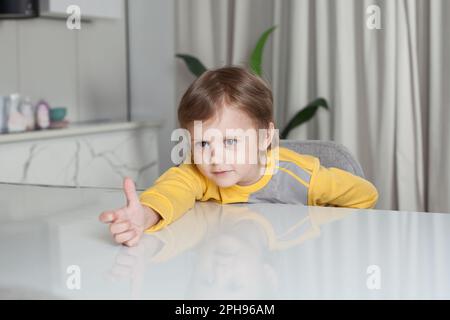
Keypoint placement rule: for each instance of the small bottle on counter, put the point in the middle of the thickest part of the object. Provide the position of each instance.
(42, 115)
(16, 121)
(27, 110)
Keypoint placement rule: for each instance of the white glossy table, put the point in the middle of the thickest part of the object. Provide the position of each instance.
(52, 246)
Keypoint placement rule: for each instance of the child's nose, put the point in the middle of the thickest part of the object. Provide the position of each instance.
(217, 155)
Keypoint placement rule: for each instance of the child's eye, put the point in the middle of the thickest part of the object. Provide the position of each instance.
(202, 144)
(230, 142)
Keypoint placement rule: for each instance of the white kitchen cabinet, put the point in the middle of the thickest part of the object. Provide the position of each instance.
(91, 155)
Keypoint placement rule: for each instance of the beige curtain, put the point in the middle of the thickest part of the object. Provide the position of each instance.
(388, 89)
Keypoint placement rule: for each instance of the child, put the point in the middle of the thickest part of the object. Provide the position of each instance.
(221, 110)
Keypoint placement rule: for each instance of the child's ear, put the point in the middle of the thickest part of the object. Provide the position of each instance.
(268, 137)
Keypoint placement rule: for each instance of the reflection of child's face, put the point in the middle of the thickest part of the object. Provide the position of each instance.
(233, 265)
(232, 269)
(226, 152)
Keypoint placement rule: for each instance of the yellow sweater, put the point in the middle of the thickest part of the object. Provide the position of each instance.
(289, 178)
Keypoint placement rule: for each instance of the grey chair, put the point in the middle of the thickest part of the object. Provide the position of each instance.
(330, 154)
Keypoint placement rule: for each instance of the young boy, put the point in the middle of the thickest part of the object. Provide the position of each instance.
(228, 116)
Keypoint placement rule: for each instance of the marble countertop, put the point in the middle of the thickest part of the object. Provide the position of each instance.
(75, 129)
(52, 246)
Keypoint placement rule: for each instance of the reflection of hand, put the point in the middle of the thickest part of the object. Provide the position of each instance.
(128, 223)
(130, 263)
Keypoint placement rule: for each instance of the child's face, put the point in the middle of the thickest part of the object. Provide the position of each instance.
(226, 148)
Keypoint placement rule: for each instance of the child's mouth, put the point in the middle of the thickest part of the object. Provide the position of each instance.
(220, 173)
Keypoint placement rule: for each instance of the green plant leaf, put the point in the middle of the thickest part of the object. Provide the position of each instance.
(256, 56)
(194, 65)
(304, 115)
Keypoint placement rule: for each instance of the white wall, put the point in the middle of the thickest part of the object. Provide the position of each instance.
(152, 68)
(84, 70)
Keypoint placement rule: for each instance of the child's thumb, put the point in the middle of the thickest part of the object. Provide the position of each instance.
(130, 191)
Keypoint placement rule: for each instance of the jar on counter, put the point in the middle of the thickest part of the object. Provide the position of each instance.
(27, 110)
(15, 120)
(42, 115)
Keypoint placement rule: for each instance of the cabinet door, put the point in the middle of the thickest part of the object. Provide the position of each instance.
(93, 160)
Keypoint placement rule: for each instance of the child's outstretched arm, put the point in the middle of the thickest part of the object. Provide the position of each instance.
(128, 223)
(336, 187)
(174, 193)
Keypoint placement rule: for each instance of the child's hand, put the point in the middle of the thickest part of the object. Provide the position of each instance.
(128, 223)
